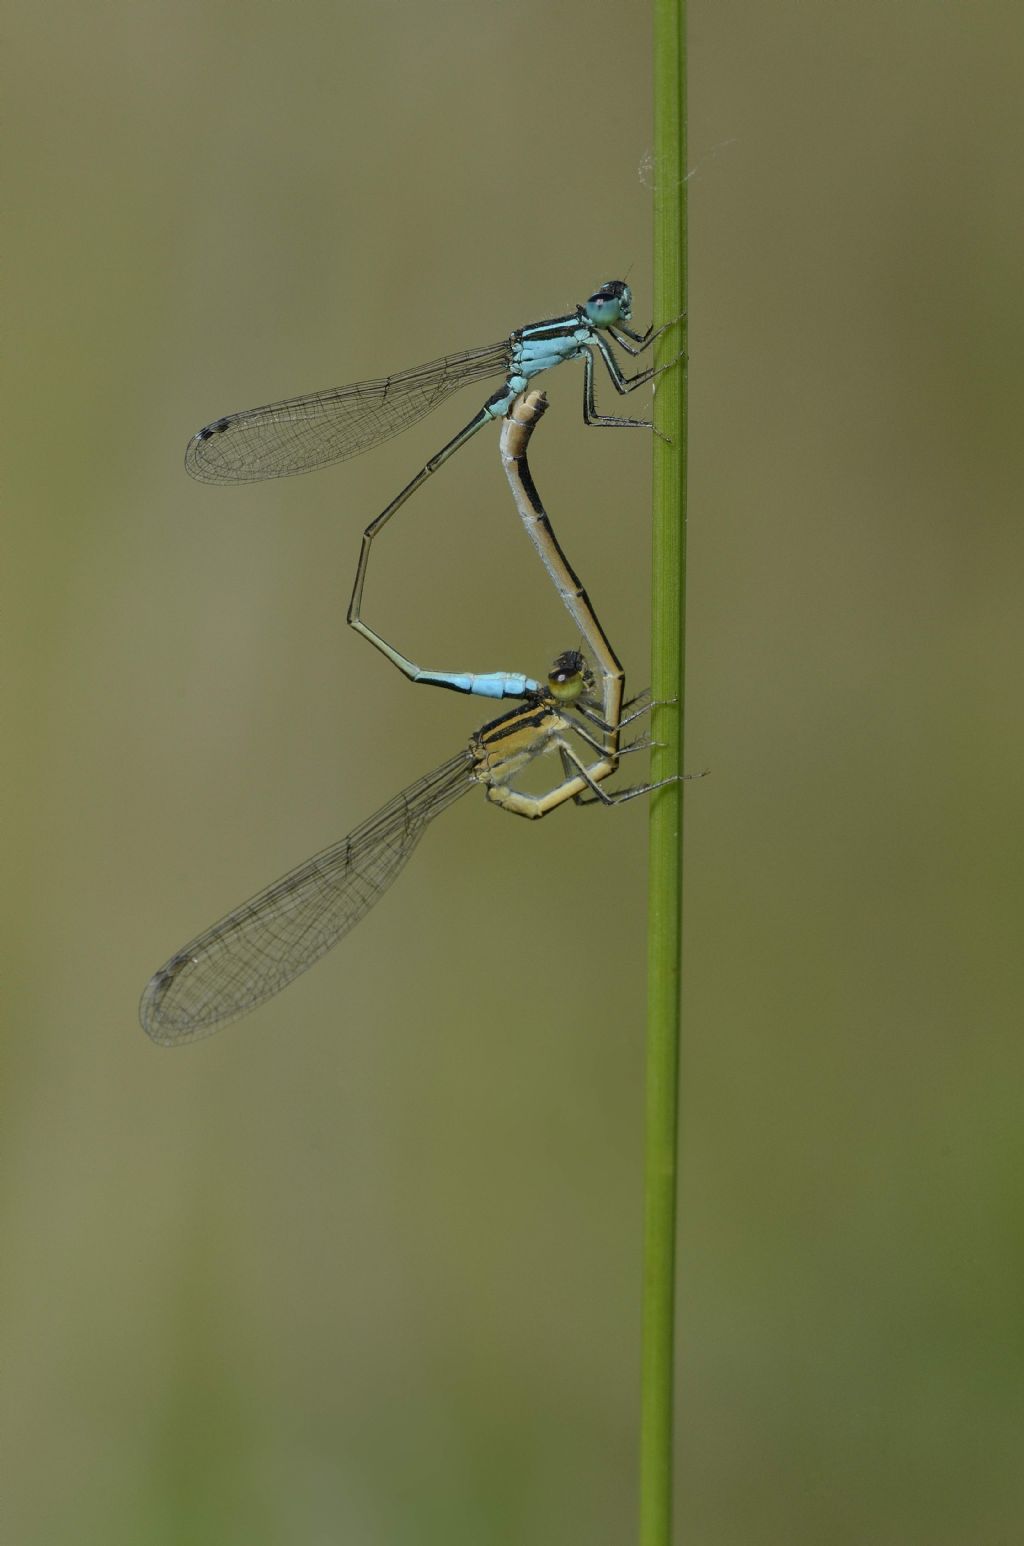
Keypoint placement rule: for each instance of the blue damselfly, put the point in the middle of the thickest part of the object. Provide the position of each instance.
(301, 434)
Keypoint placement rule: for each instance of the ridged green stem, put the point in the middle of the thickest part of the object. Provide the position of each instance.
(665, 885)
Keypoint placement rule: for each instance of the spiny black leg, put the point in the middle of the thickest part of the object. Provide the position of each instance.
(590, 413)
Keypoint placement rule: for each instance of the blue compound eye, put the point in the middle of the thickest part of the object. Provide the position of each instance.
(611, 303)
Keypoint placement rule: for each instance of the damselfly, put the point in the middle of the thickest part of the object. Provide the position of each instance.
(260, 947)
(301, 434)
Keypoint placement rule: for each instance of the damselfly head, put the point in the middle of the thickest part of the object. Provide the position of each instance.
(569, 677)
(612, 303)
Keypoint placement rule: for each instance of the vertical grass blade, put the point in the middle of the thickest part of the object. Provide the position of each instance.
(665, 883)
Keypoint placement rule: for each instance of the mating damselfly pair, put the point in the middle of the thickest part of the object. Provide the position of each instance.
(261, 946)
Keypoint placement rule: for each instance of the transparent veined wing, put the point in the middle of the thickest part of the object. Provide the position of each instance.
(259, 948)
(301, 434)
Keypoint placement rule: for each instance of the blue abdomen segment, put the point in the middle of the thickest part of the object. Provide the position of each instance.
(499, 402)
(493, 684)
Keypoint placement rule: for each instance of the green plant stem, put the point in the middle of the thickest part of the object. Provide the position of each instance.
(665, 884)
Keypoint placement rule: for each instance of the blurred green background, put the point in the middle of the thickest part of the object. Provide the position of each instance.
(365, 1267)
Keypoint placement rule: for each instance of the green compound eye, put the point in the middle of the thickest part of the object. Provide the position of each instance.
(567, 678)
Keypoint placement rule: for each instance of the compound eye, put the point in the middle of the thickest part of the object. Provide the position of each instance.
(602, 307)
(565, 679)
